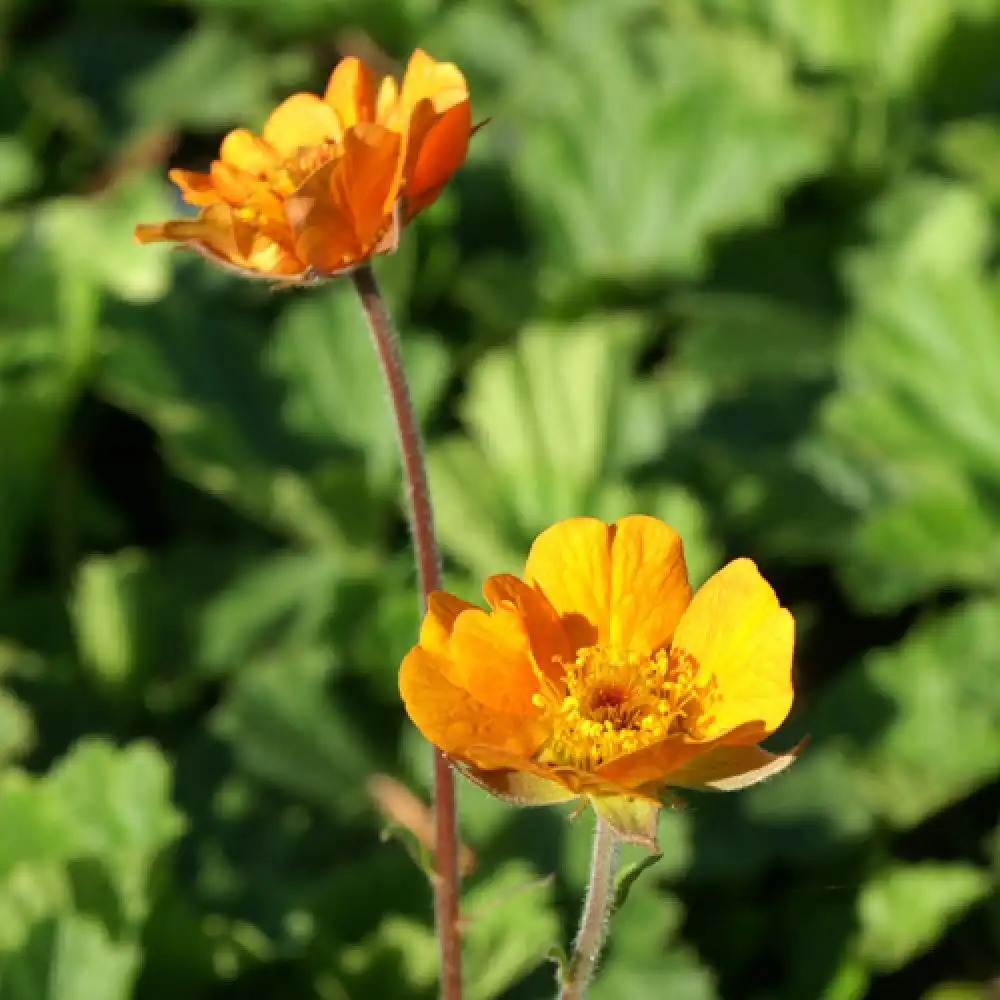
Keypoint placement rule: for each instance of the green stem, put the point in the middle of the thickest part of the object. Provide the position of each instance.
(446, 881)
(594, 920)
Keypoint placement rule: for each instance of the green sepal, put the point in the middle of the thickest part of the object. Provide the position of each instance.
(633, 819)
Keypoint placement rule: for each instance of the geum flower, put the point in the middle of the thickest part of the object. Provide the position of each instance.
(331, 180)
(598, 676)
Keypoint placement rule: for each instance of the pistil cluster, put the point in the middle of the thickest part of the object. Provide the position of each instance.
(618, 701)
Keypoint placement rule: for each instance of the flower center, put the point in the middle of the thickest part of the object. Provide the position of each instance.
(617, 702)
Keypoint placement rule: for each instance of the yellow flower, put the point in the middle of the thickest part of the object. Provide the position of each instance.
(330, 181)
(598, 675)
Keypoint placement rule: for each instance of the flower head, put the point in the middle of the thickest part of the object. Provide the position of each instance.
(598, 675)
(331, 180)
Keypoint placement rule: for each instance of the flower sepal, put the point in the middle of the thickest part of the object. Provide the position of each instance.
(633, 818)
(520, 788)
(733, 768)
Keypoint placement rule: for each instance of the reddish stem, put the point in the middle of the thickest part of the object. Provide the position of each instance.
(386, 343)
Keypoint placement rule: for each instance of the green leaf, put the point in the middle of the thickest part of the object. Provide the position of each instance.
(651, 133)
(891, 42)
(556, 423)
(117, 804)
(197, 378)
(914, 425)
(73, 226)
(285, 727)
(17, 168)
(627, 878)
(213, 77)
(906, 908)
(511, 926)
(72, 958)
(336, 391)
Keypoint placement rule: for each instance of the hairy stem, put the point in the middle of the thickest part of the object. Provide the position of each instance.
(386, 342)
(596, 913)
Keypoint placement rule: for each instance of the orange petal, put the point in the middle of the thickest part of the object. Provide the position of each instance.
(730, 768)
(570, 563)
(221, 237)
(370, 169)
(301, 122)
(649, 584)
(338, 215)
(196, 188)
(740, 635)
(249, 152)
(321, 225)
(351, 92)
(489, 656)
(233, 184)
(650, 764)
(435, 151)
(442, 610)
(550, 646)
(452, 719)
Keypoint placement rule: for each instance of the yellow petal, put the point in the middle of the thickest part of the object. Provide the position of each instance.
(351, 92)
(425, 78)
(302, 121)
(649, 584)
(570, 563)
(249, 152)
(739, 634)
(453, 720)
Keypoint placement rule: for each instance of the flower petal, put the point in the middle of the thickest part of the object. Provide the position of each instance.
(437, 144)
(489, 656)
(650, 764)
(649, 584)
(426, 79)
(570, 563)
(739, 634)
(248, 152)
(730, 768)
(633, 818)
(196, 188)
(442, 610)
(321, 225)
(550, 646)
(351, 92)
(452, 719)
(339, 214)
(300, 122)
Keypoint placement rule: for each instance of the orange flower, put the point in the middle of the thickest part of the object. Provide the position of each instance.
(331, 180)
(599, 676)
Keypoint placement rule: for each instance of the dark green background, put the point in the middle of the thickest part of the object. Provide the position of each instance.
(730, 262)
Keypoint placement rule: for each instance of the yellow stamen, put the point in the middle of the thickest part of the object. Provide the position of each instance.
(617, 702)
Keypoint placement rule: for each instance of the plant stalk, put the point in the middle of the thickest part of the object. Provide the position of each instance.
(446, 879)
(595, 919)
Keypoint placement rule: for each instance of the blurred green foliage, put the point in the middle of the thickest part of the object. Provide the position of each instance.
(731, 262)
